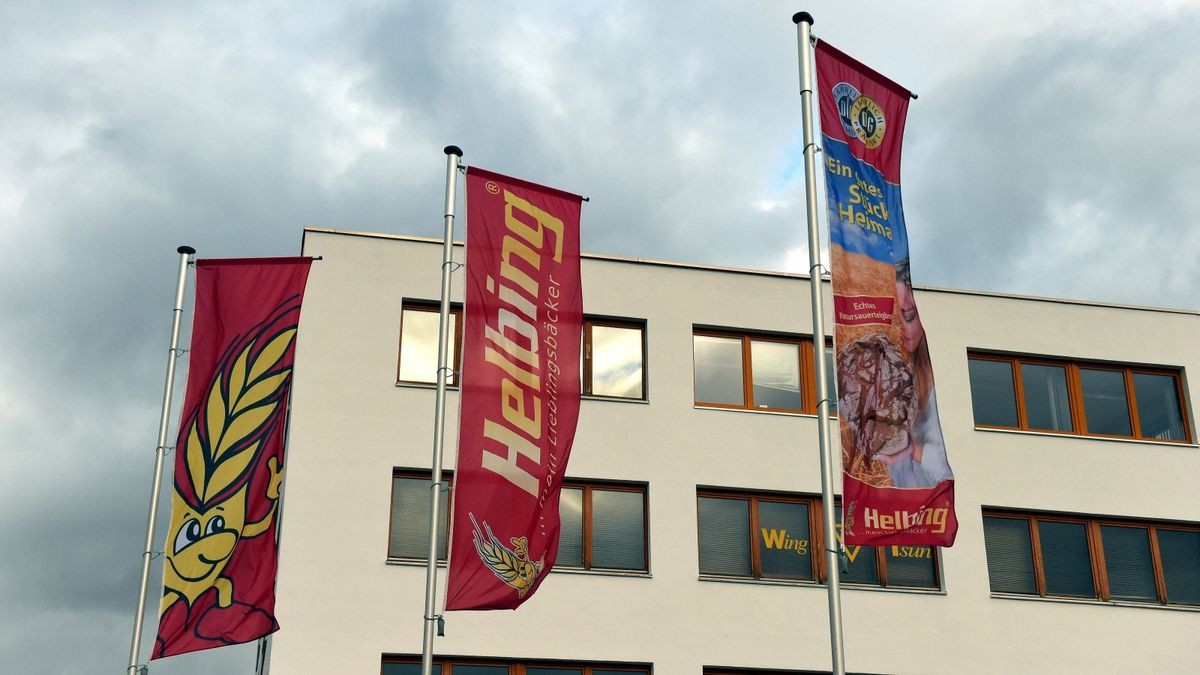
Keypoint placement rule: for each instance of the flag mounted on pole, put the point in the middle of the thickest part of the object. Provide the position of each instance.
(520, 388)
(897, 484)
(221, 554)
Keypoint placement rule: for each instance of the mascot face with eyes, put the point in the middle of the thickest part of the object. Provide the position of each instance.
(219, 463)
(200, 544)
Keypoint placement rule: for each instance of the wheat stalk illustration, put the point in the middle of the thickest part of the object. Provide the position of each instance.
(226, 433)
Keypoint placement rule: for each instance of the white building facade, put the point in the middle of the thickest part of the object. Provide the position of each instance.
(692, 540)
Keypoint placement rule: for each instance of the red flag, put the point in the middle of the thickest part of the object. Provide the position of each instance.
(221, 554)
(897, 484)
(520, 388)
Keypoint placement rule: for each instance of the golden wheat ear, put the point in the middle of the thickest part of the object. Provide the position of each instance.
(499, 559)
(234, 416)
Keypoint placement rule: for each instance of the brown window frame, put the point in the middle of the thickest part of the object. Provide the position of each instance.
(808, 370)
(588, 487)
(586, 366)
(1096, 558)
(426, 476)
(434, 307)
(1075, 395)
(816, 520)
(517, 666)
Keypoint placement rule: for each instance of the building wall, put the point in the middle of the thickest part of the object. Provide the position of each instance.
(341, 605)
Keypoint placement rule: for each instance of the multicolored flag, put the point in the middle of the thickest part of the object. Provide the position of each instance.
(897, 484)
(520, 388)
(221, 552)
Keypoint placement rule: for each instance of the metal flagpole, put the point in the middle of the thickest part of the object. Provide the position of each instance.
(453, 153)
(159, 455)
(804, 21)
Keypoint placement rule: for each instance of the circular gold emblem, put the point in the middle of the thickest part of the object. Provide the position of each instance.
(866, 118)
(491, 187)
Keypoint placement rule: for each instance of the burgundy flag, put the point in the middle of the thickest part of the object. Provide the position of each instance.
(520, 388)
(897, 484)
(220, 555)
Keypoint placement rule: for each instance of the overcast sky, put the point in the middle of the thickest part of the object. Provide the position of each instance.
(1052, 152)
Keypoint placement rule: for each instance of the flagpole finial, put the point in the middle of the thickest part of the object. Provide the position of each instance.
(802, 16)
(186, 249)
(453, 150)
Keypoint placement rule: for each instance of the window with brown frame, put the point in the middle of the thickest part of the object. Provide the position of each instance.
(758, 372)
(614, 351)
(614, 358)
(603, 524)
(411, 665)
(1071, 556)
(1080, 398)
(419, 342)
(408, 533)
(776, 536)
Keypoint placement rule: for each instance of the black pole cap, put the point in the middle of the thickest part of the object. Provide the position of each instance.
(802, 16)
(453, 150)
(186, 249)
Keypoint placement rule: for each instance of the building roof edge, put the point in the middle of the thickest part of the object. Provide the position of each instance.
(770, 273)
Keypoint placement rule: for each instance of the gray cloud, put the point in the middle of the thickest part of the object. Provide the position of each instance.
(128, 128)
(1065, 153)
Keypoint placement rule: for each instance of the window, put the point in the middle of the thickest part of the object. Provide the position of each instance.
(614, 351)
(419, 342)
(1088, 557)
(411, 665)
(603, 524)
(889, 566)
(758, 372)
(408, 534)
(771, 536)
(762, 537)
(614, 357)
(1077, 398)
(603, 527)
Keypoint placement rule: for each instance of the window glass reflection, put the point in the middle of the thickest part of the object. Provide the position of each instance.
(831, 380)
(1046, 403)
(419, 345)
(775, 368)
(570, 537)
(1158, 407)
(1105, 406)
(616, 361)
(992, 397)
(718, 368)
